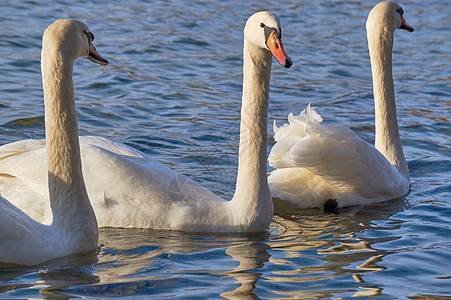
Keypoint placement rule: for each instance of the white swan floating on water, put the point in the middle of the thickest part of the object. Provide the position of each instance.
(74, 227)
(327, 166)
(129, 189)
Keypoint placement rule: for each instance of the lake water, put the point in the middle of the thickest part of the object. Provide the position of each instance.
(173, 90)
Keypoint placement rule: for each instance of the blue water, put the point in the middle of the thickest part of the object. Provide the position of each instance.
(173, 90)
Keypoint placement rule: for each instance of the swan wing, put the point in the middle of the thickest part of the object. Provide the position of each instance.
(130, 189)
(127, 188)
(339, 163)
(26, 159)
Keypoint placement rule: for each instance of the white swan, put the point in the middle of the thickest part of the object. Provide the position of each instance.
(316, 162)
(129, 189)
(74, 227)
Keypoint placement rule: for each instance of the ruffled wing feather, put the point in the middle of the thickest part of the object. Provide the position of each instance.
(345, 162)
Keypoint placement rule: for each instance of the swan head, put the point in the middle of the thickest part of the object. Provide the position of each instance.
(387, 16)
(72, 38)
(263, 30)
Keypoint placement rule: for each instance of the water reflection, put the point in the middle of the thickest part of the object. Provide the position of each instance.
(315, 247)
(306, 254)
(157, 263)
(251, 255)
(50, 277)
(148, 262)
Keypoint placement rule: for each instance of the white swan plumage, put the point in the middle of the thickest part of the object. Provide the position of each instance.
(74, 227)
(318, 164)
(129, 189)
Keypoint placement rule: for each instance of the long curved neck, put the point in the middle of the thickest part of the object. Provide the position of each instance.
(252, 190)
(387, 133)
(68, 197)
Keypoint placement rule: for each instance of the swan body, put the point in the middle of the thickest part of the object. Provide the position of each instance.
(129, 189)
(74, 227)
(317, 163)
(120, 195)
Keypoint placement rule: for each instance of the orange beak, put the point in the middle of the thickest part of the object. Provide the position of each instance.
(405, 26)
(275, 46)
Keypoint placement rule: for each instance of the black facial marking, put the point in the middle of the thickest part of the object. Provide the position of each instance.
(89, 35)
(400, 11)
(268, 30)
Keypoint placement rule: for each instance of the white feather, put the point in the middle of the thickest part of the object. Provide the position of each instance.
(317, 162)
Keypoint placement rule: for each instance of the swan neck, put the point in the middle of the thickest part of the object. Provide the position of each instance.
(68, 197)
(387, 139)
(252, 190)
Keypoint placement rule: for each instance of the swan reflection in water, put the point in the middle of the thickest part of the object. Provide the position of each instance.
(160, 263)
(332, 246)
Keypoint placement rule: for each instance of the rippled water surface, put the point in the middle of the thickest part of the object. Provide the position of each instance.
(173, 90)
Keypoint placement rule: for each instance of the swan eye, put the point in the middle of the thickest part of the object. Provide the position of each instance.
(400, 11)
(262, 25)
